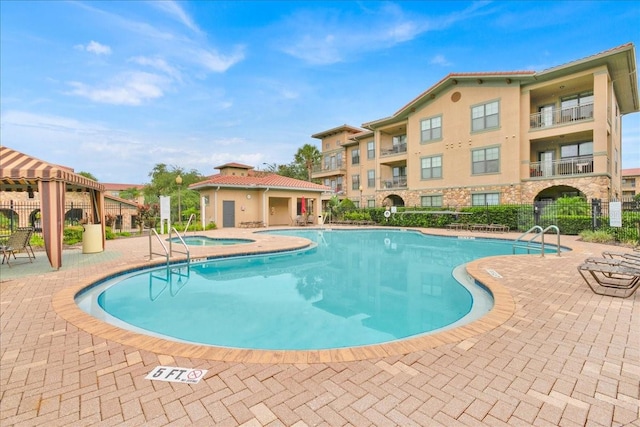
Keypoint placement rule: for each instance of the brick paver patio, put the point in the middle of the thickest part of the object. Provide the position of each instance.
(565, 357)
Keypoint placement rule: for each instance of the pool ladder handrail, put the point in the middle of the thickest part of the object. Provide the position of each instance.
(153, 232)
(184, 245)
(191, 217)
(541, 232)
(168, 253)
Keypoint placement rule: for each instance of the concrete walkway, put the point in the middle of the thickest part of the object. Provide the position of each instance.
(565, 357)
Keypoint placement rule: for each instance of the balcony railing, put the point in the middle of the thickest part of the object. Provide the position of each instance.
(563, 167)
(396, 149)
(395, 182)
(329, 167)
(561, 116)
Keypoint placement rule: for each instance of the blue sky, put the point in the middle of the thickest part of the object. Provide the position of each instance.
(114, 88)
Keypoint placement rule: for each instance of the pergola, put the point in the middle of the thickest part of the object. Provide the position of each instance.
(21, 172)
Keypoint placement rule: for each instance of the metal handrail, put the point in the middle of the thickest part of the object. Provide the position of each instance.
(551, 227)
(192, 216)
(540, 233)
(152, 231)
(527, 246)
(186, 248)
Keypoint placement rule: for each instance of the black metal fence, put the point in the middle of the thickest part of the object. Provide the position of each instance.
(119, 216)
(570, 218)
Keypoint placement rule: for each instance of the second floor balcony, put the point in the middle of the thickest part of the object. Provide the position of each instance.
(573, 166)
(560, 116)
(394, 182)
(394, 149)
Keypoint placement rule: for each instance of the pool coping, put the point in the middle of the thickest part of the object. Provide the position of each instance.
(504, 307)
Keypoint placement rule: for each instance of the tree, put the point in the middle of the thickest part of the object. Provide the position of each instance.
(308, 156)
(292, 170)
(88, 175)
(163, 183)
(130, 193)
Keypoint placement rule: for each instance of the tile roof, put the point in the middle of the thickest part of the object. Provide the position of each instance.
(259, 180)
(631, 172)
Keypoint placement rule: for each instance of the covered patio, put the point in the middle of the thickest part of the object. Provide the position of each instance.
(21, 172)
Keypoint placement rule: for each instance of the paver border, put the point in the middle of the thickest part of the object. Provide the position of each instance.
(504, 307)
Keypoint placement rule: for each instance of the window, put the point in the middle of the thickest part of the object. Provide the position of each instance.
(371, 203)
(355, 156)
(483, 199)
(371, 150)
(431, 129)
(399, 140)
(371, 178)
(431, 201)
(339, 184)
(355, 182)
(578, 106)
(485, 116)
(431, 167)
(486, 160)
(577, 150)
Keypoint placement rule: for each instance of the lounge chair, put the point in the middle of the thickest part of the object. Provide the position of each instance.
(18, 242)
(609, 279)
(635, 255)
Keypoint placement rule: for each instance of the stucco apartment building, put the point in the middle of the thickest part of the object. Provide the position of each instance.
(630, 183)
(492, 138)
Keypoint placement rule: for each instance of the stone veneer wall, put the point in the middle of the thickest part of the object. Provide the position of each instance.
(524, 193)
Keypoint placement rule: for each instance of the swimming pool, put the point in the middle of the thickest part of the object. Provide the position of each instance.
(353, 288)
(209, 241)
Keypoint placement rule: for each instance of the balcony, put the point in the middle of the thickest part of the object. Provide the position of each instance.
(396, 149)
(561, 116)
(395, 182)
(574, 166)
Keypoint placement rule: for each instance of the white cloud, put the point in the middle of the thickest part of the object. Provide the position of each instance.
(95, 47)
(330, 36)
(175, 11)
(131, 88)
(214, 61)
(440, 60)
(158, 64)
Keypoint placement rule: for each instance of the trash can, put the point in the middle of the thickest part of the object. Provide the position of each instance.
(92, 238)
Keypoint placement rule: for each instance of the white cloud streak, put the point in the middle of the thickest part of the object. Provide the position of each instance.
(131, 88)
(327, 37)
(95, 48)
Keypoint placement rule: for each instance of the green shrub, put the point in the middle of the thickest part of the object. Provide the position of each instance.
(72, 235)
(599, 236)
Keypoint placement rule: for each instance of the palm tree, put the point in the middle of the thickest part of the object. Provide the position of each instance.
(309, 156)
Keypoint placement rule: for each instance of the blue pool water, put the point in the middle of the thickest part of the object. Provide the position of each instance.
(209, 241)
(354, 287)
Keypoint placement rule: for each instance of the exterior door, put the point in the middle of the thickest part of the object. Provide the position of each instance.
(546, 163)
(228, 213)
(546, 115)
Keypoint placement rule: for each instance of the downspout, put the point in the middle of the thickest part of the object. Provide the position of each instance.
(265, 207)
(215, 206)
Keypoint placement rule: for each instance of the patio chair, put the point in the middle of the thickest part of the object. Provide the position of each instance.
(18, 242)
(635, 255)
(610, 280)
